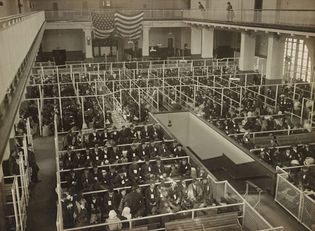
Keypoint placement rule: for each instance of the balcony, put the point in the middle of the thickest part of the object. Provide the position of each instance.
(299, 20)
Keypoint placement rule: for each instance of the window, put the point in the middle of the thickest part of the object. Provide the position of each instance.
(297, 61)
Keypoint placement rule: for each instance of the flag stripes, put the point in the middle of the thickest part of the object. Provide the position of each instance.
(109, 24)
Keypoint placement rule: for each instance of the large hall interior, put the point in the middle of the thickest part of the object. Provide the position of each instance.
(162, 115)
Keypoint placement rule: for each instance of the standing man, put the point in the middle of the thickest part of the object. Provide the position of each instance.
(34, 166)
(230, 13)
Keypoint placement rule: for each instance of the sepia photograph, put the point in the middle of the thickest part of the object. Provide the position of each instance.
(157, 115)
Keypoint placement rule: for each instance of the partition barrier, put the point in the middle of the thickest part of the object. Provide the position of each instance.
(220, 190)
(294, 199)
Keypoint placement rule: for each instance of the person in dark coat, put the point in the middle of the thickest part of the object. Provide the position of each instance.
(135, 201)
(184, 168)
(152, 197)
(13, 164)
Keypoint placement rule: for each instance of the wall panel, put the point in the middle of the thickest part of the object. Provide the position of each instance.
(15, 42)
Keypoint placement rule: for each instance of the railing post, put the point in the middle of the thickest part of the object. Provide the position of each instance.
(222, 102)
(276, 96)
(17, 224)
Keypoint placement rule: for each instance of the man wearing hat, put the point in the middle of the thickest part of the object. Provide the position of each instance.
(179, 151)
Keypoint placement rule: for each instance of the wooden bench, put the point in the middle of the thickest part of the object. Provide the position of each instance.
(225, 221)
(302, 138)
(142, 228)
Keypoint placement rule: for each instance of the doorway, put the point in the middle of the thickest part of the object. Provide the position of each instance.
(60, 57)
(170, 46)
(55, 9)
(258, 9)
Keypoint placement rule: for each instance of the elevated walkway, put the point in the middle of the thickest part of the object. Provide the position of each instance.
(299, 22)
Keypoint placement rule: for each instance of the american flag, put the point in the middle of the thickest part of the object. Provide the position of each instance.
(103, 25)
(126, 26)
(129, 26)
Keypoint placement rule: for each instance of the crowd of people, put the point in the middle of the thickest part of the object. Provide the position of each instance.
(110, 176)
(303, 178)
(166, 196)
(294, 155)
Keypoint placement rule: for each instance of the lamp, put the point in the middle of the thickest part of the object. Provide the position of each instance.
(88, 40)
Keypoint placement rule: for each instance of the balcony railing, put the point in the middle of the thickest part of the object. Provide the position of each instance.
(292, 18)
(302, 19)
(81, 16)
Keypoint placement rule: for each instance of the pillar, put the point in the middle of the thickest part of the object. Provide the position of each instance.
(195, 41)
(207, 42)
(146, 42)
(247, 54)
(88, 43)
(274, 63)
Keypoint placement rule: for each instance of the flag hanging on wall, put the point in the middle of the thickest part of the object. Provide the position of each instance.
(103, 25)
(128, 26)
(110, 24)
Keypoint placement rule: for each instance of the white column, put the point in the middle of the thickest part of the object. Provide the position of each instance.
(247, 54)
(275, 54)
(195, 41)
(88, 43)
(146, 42)
(207, 42)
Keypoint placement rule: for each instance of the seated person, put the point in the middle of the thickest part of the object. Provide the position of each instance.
(184, 168)
(159, 169)
(110, 201)
(152, 197)
(147, 169)
(87, 180)
(134, 173)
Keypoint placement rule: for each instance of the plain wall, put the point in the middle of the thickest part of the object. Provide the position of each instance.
(227, 38)
(207, 143)
(70, 40)
(202, 139)
(161, 35)
(261, 45)
(15, 43)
